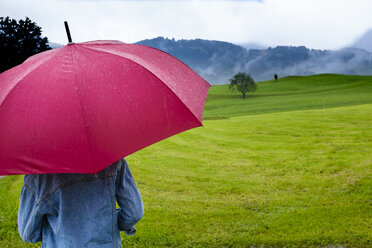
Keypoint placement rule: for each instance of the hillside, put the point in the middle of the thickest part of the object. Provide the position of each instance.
(218, 61)
(288, 167)
(291, 93)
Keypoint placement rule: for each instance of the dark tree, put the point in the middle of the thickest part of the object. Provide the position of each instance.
(243, 82)
(276, 77)
(18, 41)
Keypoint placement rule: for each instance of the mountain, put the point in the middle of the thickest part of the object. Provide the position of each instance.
(218, 61)
(213, 60)
(364, 42)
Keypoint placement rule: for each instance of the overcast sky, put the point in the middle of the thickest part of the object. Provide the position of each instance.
(319, 24)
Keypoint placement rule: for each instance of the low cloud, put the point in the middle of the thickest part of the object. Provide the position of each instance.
(313, 23)
(286, 61)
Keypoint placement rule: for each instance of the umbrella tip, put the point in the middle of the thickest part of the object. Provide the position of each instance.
(68, 33)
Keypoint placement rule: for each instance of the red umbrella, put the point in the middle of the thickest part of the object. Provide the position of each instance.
(81, 107)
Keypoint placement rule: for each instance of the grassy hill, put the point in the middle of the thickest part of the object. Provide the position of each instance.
(291, 93)
(290, 166)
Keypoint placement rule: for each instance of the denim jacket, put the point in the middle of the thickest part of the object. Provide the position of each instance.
(79, 210)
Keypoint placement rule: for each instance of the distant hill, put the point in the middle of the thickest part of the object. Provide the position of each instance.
(218, 61)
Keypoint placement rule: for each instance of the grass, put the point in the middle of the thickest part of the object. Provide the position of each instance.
(10, 188)
(291, 178)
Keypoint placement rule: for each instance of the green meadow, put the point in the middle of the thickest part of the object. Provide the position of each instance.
(289, 166)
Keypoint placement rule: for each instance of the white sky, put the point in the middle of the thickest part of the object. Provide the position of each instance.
(319, 24)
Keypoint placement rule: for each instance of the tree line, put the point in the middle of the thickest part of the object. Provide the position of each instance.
(18, 41)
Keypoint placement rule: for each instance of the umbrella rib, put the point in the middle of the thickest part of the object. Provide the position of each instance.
(207, 84)
(81, 109)
(94, 49)
(23, 76)
(130, 111)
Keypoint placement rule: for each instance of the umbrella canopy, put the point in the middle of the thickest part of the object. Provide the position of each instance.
(81, 107)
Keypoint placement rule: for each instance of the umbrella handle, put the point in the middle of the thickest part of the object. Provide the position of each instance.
(68, 33)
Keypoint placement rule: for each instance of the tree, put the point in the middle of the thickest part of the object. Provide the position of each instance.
(18, 41)
(243, 82)
(276, 77)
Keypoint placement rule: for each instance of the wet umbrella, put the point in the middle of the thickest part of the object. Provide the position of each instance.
(81, 107)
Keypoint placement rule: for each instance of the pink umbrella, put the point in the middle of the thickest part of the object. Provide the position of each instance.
(81, 107)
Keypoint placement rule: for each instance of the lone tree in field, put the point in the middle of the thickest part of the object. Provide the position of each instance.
(18, 41)
(243, 82)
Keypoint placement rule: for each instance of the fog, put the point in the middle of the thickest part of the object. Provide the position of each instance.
(284, 61)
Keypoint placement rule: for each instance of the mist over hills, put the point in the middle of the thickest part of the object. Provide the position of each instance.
(218, 61)
(364, 42)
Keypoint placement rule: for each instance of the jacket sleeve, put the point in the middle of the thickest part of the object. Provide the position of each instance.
(29, 218)
(129, 200)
